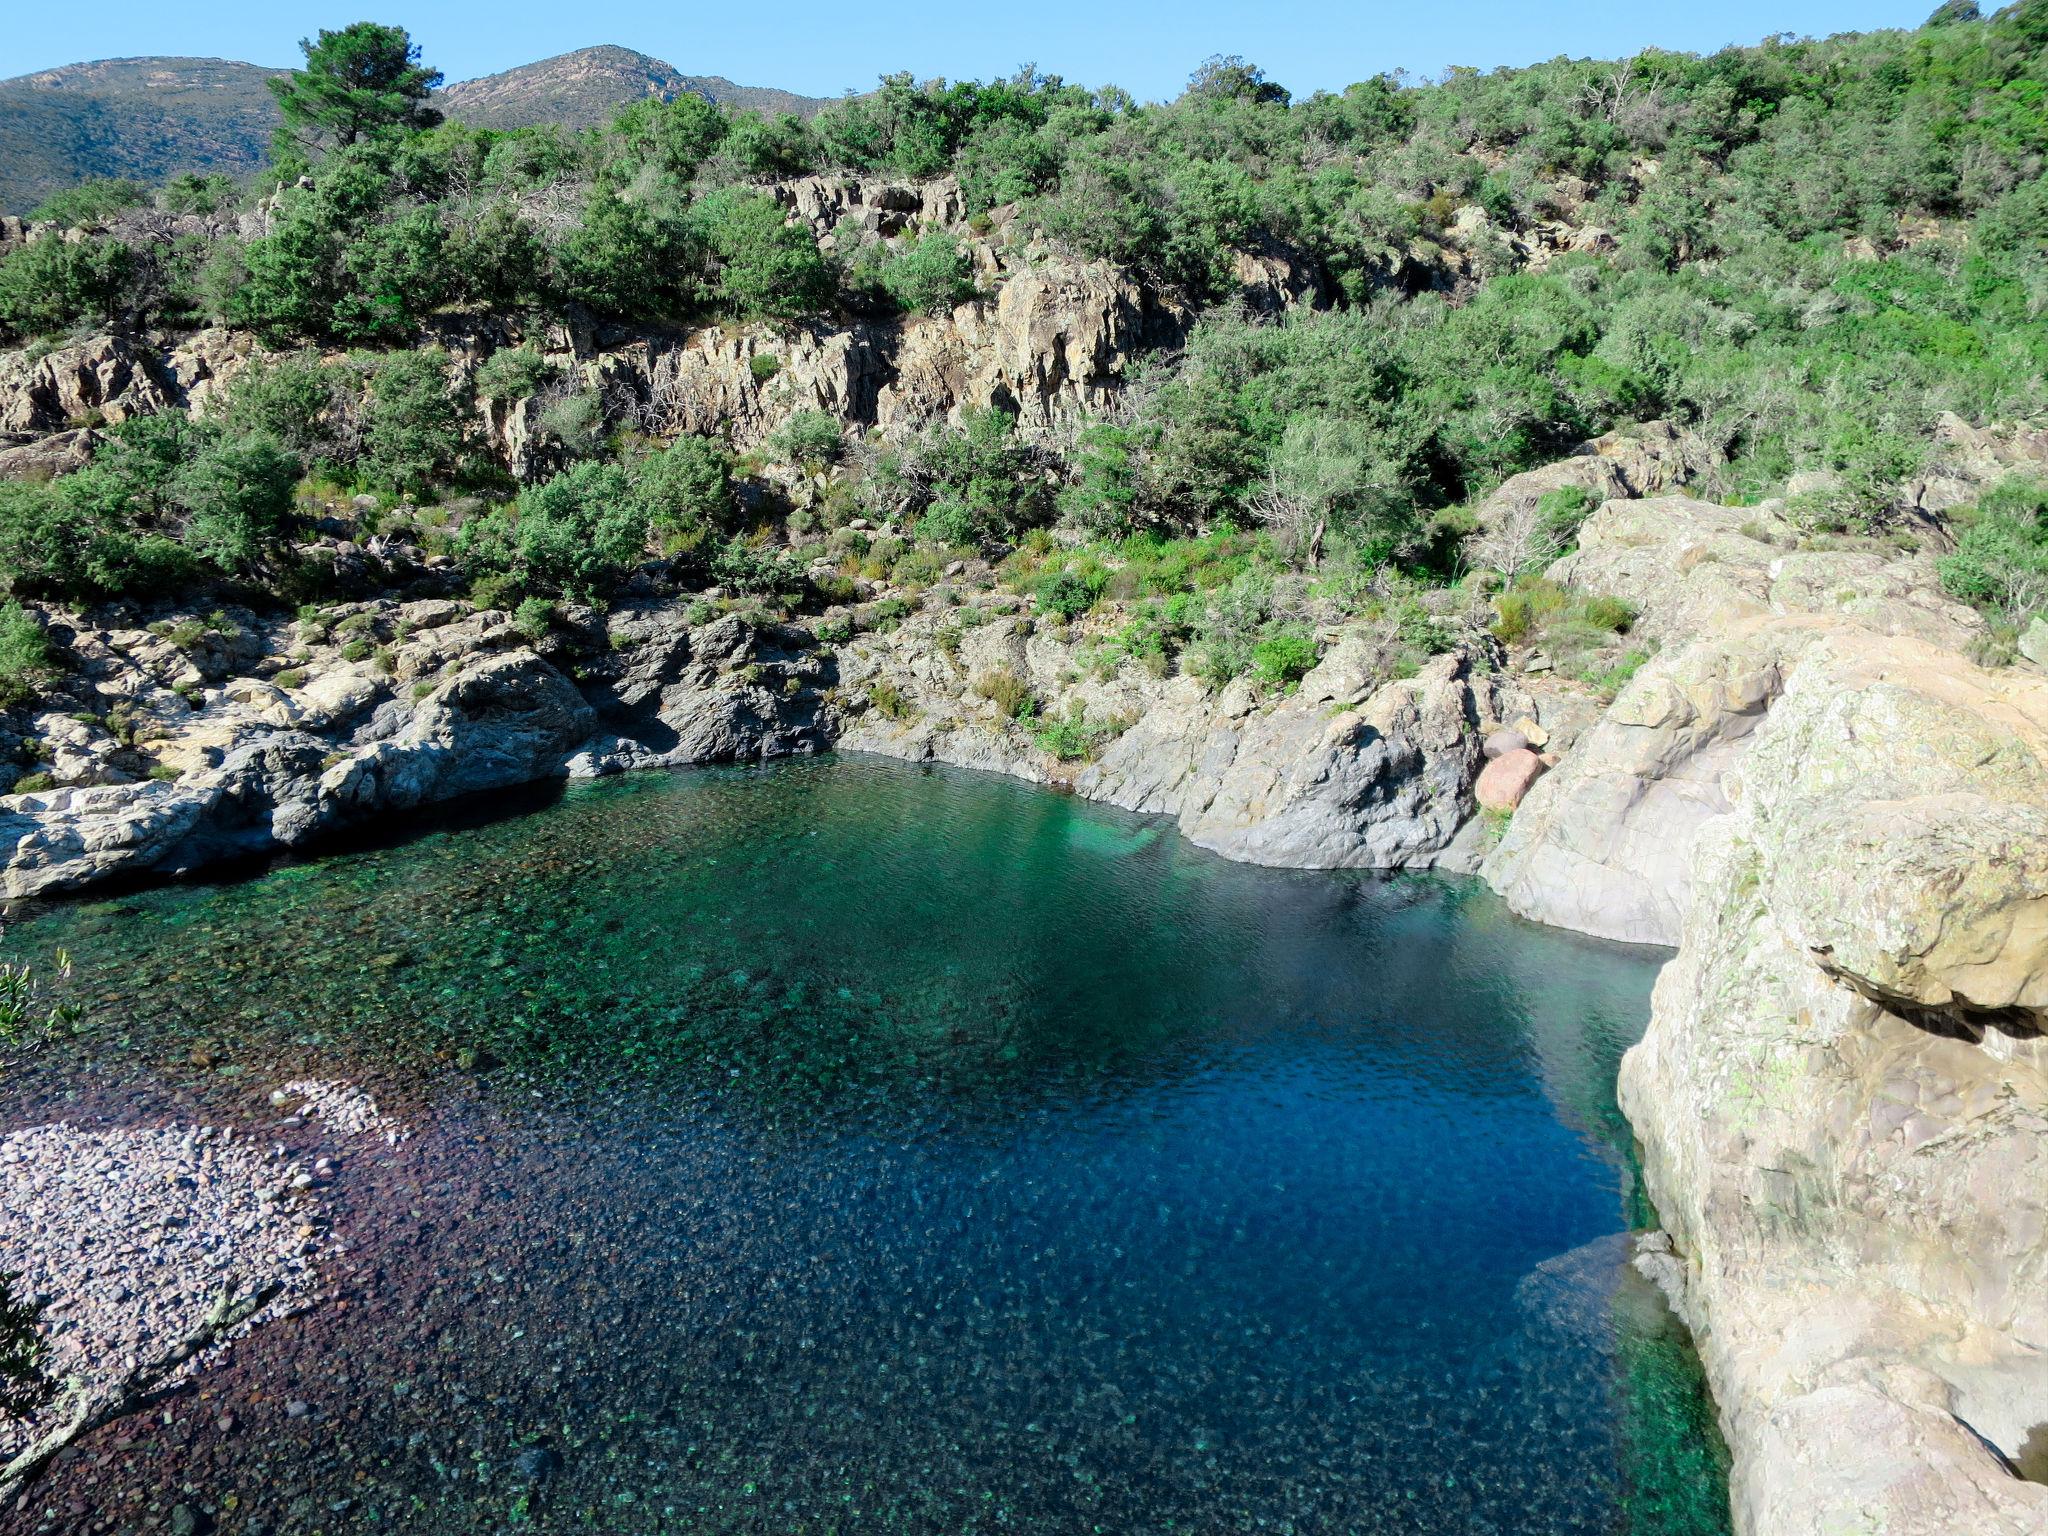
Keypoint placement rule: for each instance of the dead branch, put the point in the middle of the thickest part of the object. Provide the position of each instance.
(92, 1409)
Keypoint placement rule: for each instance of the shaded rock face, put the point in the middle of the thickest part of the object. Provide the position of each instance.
(1843, 1096)
(461, 705)
(1348, 771)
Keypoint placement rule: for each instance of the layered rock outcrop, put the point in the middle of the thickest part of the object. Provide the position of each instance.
(1350, 769)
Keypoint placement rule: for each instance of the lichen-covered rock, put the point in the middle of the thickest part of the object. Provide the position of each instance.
(1630, 462)
(1691, 567)
(1603, 845)
(1843, 1097)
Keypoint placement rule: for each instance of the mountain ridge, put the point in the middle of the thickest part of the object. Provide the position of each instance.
(151, 116)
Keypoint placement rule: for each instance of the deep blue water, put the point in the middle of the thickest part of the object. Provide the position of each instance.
(859, 1147)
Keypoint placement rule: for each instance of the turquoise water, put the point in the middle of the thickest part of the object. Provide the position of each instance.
(848, 1146)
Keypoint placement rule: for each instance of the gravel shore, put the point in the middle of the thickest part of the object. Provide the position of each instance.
(128, 1235)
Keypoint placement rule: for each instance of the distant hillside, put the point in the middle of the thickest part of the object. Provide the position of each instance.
(585, 88)
(151, 118)
(144, 118)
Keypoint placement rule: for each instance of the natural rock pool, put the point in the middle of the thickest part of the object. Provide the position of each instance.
(845, 1147)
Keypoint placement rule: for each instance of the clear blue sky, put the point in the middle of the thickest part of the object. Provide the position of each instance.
(821, 47)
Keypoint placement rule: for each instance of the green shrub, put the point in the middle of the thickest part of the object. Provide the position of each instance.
(576, 535)
(51, 284)
(25, 655)
(1067, 594)
(512, 373)
(1284, 658)
(930, 276)
(1008, 692)
(413, 426)
(33, 784)
(812, 439)
(889, 699)
(291, 678)
(534, 618)
(1609, 613)
(91, 202)
(685, 490)
(1074, 737)
(294, 399)
(764, 366)
(163, 498)
(2001, 556)
(763, 265)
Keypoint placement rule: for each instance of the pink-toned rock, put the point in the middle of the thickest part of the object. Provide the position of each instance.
(1507, 778)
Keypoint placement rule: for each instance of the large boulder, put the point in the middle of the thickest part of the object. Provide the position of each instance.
(1604, 844)
(728, 691)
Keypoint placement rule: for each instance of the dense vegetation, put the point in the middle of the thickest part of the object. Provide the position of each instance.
(1816, 247)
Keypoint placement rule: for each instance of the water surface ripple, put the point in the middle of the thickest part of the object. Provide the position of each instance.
(851, 1147)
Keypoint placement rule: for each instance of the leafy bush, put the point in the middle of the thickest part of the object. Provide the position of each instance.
(576, 536)
(761, 265)
(534, 618)
(1067, 594)
(294, 399)
(25, 657)
(1073, 737)
(810, 438)
(91, 202)
(164, 498)
(1284, 658)
(976, 485)
(2001, 555)
(576, 422)
(889, 699)
(1609, 613)
(413, 426)
(930, 276)
(685, 490)
(512, 373)
(1008, 692)
(50, 284)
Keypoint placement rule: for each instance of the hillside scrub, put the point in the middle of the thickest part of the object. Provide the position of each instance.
(1810, 250)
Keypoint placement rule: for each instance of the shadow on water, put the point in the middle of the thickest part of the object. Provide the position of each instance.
(860, 1147)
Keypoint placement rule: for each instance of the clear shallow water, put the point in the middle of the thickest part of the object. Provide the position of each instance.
(862, 1147)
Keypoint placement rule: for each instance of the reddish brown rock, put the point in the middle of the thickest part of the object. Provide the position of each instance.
(1507, 778)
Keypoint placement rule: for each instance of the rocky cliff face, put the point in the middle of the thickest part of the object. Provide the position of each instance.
(1046, 337)
(1841, 1096)
(1352, 769)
